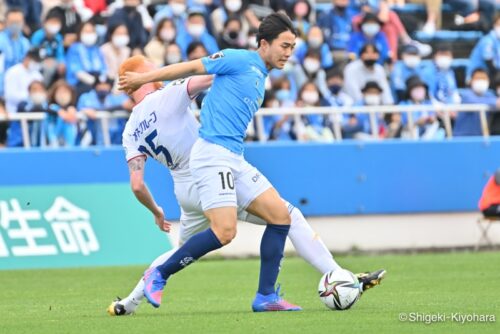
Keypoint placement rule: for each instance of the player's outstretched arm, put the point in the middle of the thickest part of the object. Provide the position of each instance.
(142, 193)
(198, 84)
(131, 81)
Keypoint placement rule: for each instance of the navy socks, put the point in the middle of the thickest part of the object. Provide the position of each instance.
(272, 246)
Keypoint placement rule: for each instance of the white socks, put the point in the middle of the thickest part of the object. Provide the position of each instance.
(308, 244)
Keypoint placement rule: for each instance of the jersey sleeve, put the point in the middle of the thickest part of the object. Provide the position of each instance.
(227, 61)
(131, 150)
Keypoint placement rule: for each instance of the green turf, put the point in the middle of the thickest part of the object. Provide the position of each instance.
(215, 297)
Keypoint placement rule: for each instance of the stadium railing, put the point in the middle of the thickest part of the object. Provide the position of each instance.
(104, 117)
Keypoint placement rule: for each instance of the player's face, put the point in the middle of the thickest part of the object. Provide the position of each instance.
(280, 50)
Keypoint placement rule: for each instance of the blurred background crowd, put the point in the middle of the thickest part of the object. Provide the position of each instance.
(61, 57)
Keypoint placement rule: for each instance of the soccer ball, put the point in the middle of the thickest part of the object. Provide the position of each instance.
(339, 289)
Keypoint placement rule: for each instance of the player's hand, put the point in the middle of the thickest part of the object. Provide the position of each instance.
(163, 224)
(130, 82)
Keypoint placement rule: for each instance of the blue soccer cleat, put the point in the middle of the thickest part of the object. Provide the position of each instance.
(272, 302)
(153, 286)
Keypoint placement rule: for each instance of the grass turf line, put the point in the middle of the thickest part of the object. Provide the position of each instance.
(215, 297)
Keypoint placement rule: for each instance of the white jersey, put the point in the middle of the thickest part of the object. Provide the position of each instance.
(161, 126)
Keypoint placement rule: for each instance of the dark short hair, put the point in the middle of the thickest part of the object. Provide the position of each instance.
(479, 70)
(367, 46)
(273, 25)
(14, 10)
(194, 45)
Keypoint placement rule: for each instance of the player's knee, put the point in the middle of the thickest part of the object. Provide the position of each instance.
(225, 234)
(281, 217)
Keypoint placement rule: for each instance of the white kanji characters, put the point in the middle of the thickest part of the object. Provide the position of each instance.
(71, 226)
(8, 217)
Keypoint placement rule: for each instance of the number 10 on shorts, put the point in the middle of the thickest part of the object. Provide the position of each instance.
(227, 179)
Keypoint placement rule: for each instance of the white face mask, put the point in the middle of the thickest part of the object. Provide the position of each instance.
(196, 30)
(89, 39)
(310, 97)
(178, 8)
(233, 5)
(167, 35)
(120, 41)
(34, 67)
(311, 65)
(480, 86)
(38, 98)
(411, 61)
(370, 29)
(418, 94)
(315, 42)
(173, 58)
(497, 31)
(443, 62)
(53, 28)
(372, 100)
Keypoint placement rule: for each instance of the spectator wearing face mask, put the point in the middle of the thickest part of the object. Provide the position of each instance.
(230, 8)
(85, 61)
(131, 17)
(231, 37)
(392, 26)
(370, 33)
(468, 123)
(316, 43)
(13, 45)
(63, 130)
(409, 65)
(32, 12)
(176, 10)
(115, 51)
(310, 70)
(486, 53)
(101, 98)
(312, 127)
(425, 122)
(174, 55)
(360, 71)
(70, 20)
(51, 44)
(35, 102)
(20, 77)
(358, 126)
(196, 32)
(337, 28)
(440, 77)
(335, 82)
(165, 34)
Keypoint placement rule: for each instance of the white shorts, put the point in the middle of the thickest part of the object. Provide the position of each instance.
(224, 178)
(192, 218)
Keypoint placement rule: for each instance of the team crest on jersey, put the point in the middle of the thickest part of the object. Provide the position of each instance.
(216, 55)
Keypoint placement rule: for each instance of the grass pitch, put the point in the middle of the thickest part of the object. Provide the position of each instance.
(215, 297)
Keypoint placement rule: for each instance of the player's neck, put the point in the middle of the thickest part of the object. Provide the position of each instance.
(141, 93)
(261, 54)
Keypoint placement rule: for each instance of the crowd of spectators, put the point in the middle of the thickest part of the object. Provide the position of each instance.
(61, 57)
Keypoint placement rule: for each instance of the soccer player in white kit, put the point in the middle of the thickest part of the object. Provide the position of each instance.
(162, 127)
